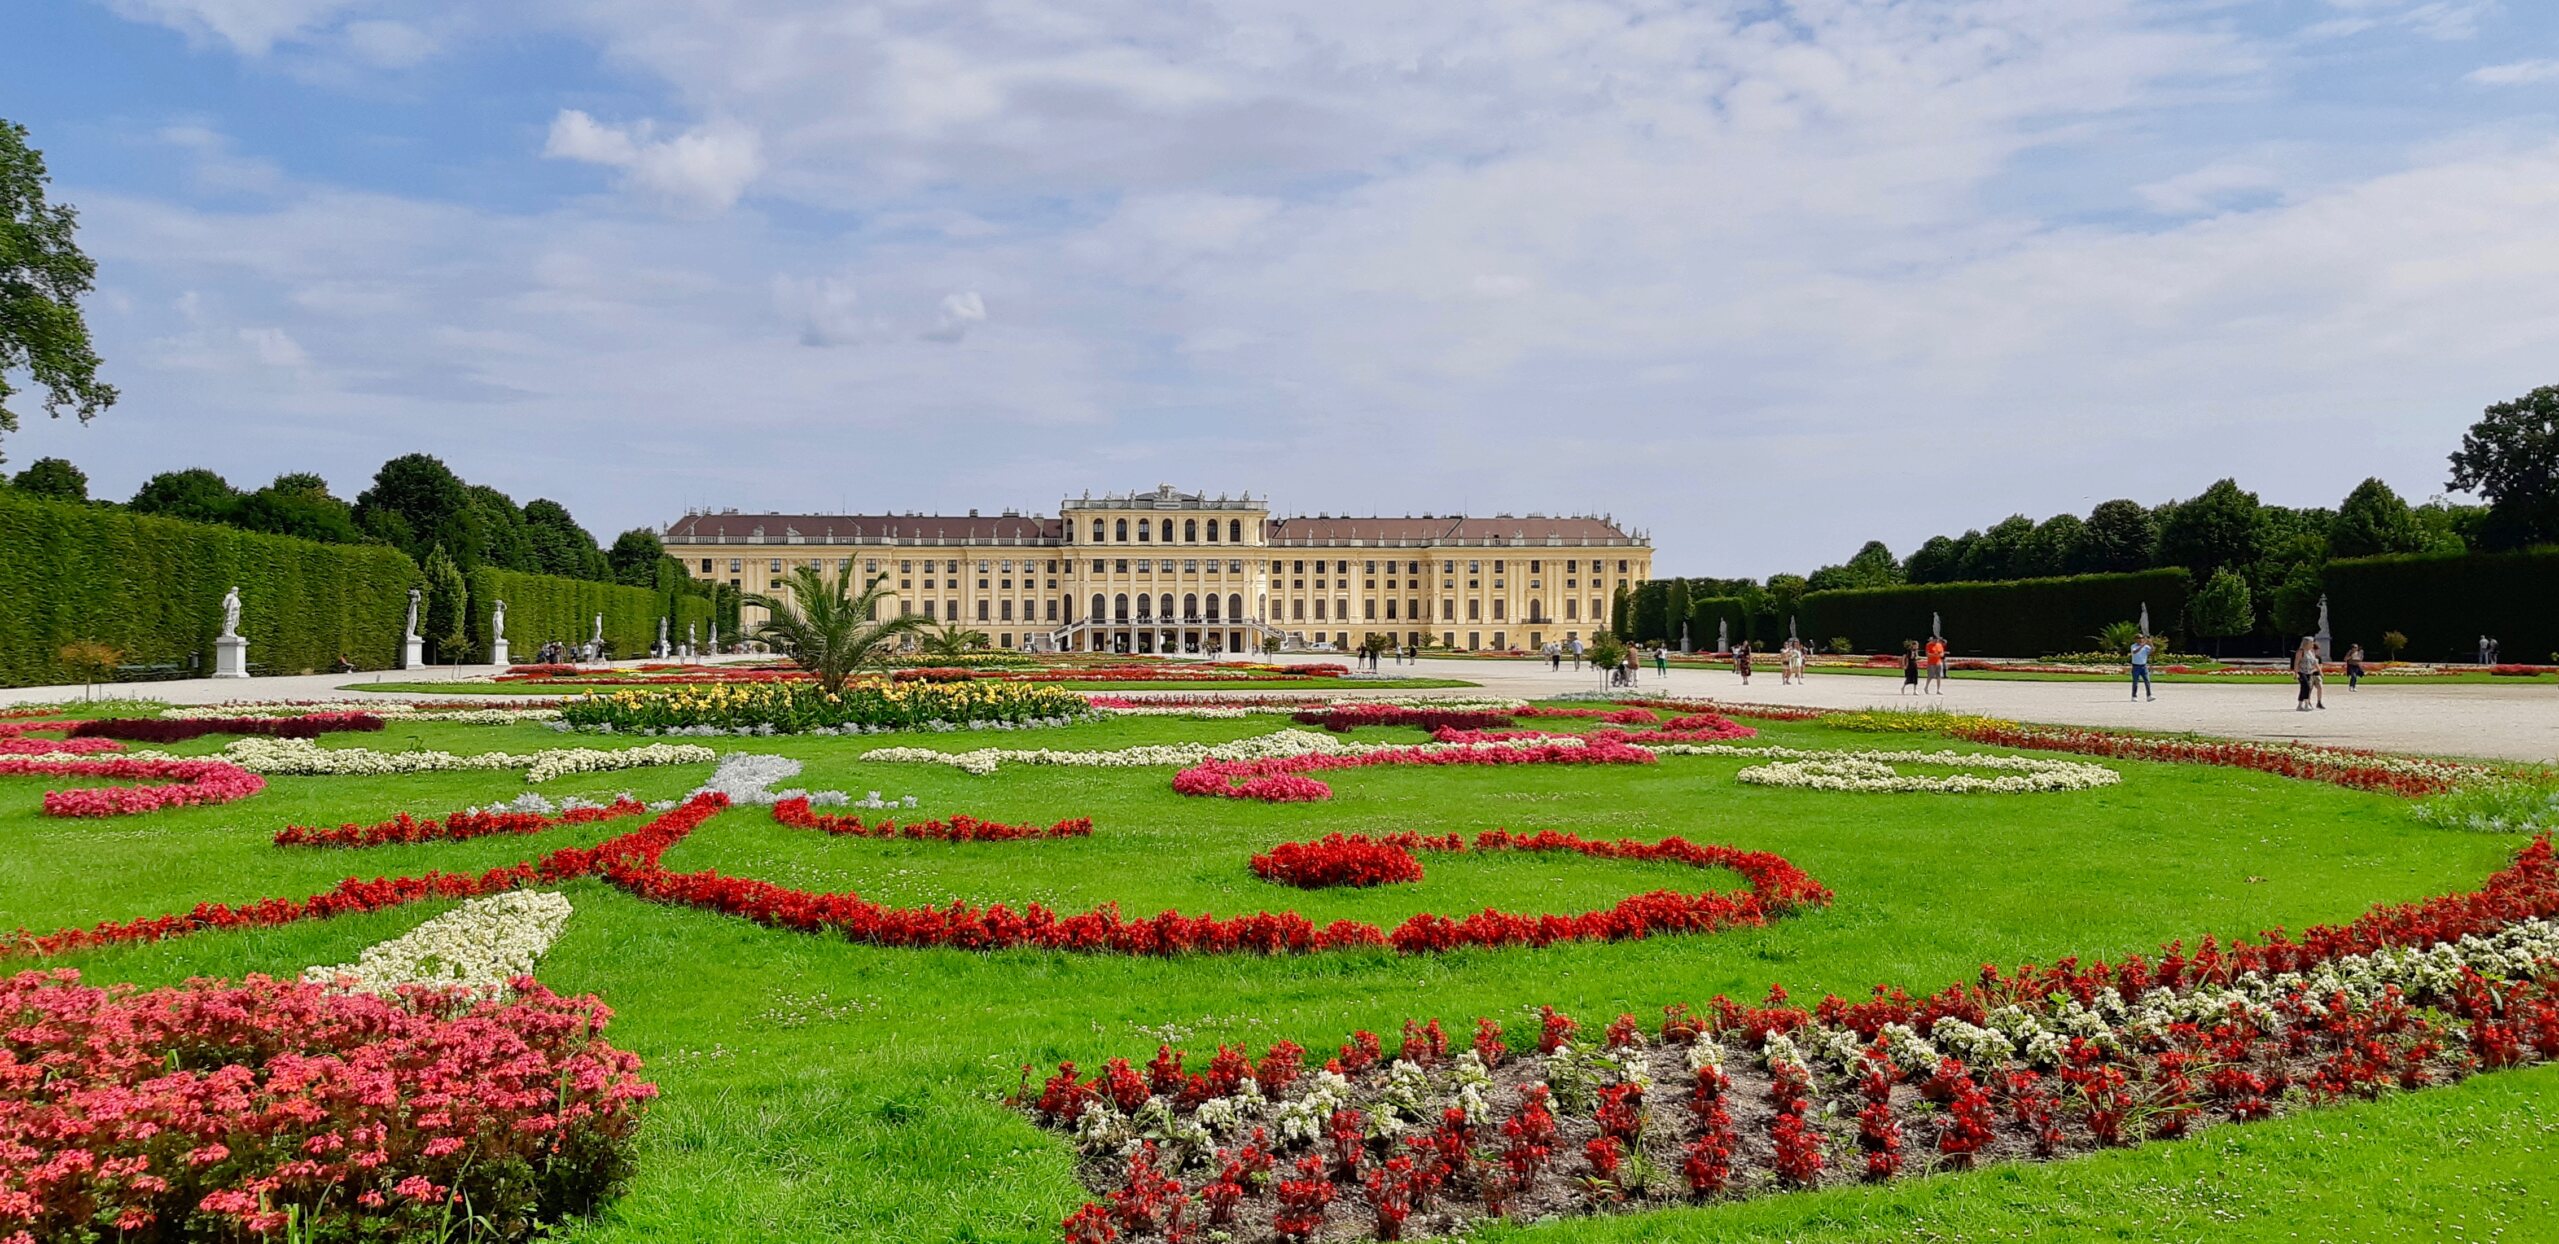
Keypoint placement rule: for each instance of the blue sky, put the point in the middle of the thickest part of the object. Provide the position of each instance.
(1768, 279)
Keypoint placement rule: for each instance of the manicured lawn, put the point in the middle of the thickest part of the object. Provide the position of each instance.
(816, 1089)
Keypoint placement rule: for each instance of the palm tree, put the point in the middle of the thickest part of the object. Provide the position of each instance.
(953, 640)
(829, 630)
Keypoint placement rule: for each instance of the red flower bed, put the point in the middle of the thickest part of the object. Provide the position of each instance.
(181, 729)
(798, 814)
(1342, 719)
(2358, 770)
(12, 729)
(2523, 671)
(1337, 860)
(193, 782)
(1278, 780)
(57, 747)
(211, 1109)
(452, 827)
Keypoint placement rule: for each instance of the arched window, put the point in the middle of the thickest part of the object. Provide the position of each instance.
(1235, 530)
(1119, 607)
(1190, 606)
(1168, 531)
(1123, 530)
(1190, 531)
(1145, 610)
(1097, 531)
(1164, 607)
(1101, 608)
(1235, 607)
(1212, 531)
(1212, 601)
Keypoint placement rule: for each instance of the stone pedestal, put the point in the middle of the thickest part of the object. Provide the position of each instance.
(497, 653)
(230, 657)
(413, 653)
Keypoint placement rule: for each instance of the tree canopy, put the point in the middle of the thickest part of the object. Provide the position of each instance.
(42, 278)
(2511, 458)
(54, 479)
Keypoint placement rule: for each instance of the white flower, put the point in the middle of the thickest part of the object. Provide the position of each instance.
(481, 944)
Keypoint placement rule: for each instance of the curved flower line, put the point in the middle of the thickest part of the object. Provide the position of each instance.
(484, 944)
(1282, 780)
(304, 758)
(191, 782)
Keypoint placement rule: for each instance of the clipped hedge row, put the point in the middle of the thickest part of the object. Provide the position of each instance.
(2443, 604)
(2024, 618)
(540, 608)
(152, 588)
(1736, 619)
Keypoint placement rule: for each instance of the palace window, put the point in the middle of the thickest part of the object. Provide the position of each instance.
(1235, 606)
(1370, 568)
(1572, 610)
(871, 565)
(1121, 565)
(1390, 611)
(1008, 566)
(1097, 531)
(1621, 567)
(1497, 567)
(1097, 565)
(1099, 609)
(1297, 610)
(1235, 530)
(1234, 567)
(1319, 610)
(1474, 611)
(1474, 567)
(777, 566)
(1368, 610)
(904, 584)
(981, 567)
(1168, 531)
(1448, 611)
(1008, 611)
(1119, 607)
(928, 609)
(706, 565)
(1190, 531)
(1498, 604)
(1145, 531)
(1190, 565)
(928, 585)
(1052, 565)
(1122, 528)
(1412, 567)
(1275, 568)
(981, 584)
(1596, 613)
(1295, 567)
(1532, 567)
(1146, 565)
(981, 611)
(1190, 606)
(1212, 597)
(951, 567)
(733, 565)
(1008, 585)
(1052, 609)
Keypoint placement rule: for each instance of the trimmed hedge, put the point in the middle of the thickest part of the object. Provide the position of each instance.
(540, 608)
(2023, 618)
(1733, 613)
(153, 587)
(2444, 603)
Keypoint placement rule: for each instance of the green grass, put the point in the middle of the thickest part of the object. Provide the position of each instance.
(820, 1090)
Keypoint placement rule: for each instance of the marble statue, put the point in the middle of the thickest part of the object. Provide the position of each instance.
(497, 621)
(414, 596)
(231, 614)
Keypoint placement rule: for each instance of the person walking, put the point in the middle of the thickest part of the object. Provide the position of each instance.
(2355, 667)
(1741, 661)
(1909, 666)
(2141, 668)
(1661, 661)
(1626, 668)
(2305, 668)
(1937, 664)
(1575, 648)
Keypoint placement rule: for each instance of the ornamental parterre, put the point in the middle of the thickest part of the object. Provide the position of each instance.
(1734, 1100)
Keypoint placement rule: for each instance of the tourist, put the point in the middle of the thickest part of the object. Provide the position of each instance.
(1741, 661)
(1575, 647)
(1555, 656)
(1661, 661)
(2141, 668)
(345, 666)
(2354, 667)
(1909, 666)
(1937, 664)
(1626, 668)
(2483, 650)
(1796, 654)
(2305, 668)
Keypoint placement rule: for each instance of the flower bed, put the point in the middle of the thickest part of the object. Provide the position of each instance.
(452, 827)
(1737, 1100)
(798, 814)
(804, 707)
(1344, 718)
(181, 729)
(2358, 770)
(1338, 860)
(1281, 780)
(484, 944)
(212, 1110)
(57, 747)
(1875, 772)
(189, 782)
(303, 758)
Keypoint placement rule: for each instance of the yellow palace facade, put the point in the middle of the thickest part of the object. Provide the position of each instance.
(1169, 571)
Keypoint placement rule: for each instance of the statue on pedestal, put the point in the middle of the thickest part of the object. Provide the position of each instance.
(411, 629)
(231, 613)
(497, 622)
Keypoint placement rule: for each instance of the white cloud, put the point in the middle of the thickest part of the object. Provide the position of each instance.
(274, 347)
(699, 171)
(251, 27)
(959, 313)
(2517, 73)
(2209, 188)
(826, 310)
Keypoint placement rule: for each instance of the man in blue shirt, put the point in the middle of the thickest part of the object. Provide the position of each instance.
(2141, 668)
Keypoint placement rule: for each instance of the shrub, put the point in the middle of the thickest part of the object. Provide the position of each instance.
(2017, 618)
(2441, 604)
(181, 729)
(213, 1109)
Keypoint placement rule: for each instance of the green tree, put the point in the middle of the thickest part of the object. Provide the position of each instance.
(635, 556)
(54, 479)
(1874, 565)
(951, 639)
(1939, 560)
(2120, 538)
(195, 494)
(417, 503)
(42, 277)
(2222, 608)
(444, 616)
(2448, 527)
(2372, 521)
(2216, 529)
(298, 504)
(2511, 457)
(2294, 609)
(1999, 553)
(509, 546)
(1674, 610)
(562, 547)
(829, 630)
(1620, 612)
(2058, 547)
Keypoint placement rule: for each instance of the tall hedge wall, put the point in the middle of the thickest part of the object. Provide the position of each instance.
(2444, 604)
(2025, 618)
(1733, 613)
(153, 587)
(540, 608)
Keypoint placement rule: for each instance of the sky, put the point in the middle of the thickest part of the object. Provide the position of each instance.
(1762, 278)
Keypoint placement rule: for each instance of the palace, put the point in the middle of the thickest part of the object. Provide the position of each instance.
(1168, 571)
